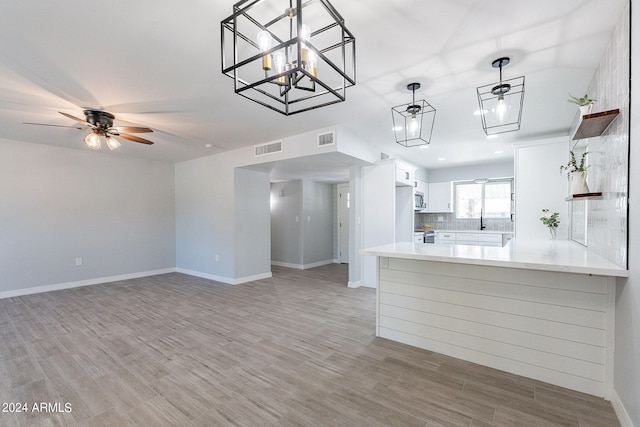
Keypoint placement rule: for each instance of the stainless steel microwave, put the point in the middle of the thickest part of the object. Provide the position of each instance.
(419, 202)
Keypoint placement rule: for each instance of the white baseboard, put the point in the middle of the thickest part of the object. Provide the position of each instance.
(223, 279)
(303, 266)
(356, 284)
(621, 411)
(80, 283)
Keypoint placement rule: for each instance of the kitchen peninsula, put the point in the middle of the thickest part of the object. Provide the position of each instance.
(542, 309)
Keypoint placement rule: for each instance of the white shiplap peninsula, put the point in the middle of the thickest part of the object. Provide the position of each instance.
(542, 309)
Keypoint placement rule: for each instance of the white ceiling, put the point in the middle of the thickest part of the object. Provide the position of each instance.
(158, 65)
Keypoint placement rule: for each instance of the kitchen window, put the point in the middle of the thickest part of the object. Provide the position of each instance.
(491, 198)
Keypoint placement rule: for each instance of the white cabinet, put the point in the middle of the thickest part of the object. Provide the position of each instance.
(404, 174)
(420, 187)
(470, 238)
(445, 238)
(440, 197)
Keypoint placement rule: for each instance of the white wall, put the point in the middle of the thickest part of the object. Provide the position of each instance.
(378, 213)
(627, 350)
(539, 185)
(485, 170)
(58, 204)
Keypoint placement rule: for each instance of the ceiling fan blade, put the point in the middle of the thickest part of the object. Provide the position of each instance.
(129, 129)
(134, 138)
(76, 119)
(57, 126)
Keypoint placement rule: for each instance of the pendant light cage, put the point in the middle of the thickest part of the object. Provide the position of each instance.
(501, 103)
(413, 122)
(289, 56)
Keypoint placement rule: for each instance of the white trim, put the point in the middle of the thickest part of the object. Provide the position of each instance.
(222, 279)
(355, 284)
(80, 283)
(621, 411)
(303, 266)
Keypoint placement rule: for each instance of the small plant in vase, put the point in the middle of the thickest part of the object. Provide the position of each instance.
(577, 172)
(550, 220)
(584, 103)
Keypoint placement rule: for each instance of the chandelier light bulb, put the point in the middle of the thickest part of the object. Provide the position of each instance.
(264, 42)
(279, 60)
(305, 35)
(93, 141)
(313, 63)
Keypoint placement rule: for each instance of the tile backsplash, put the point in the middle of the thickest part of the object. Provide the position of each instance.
(608, 154)
(449, 222)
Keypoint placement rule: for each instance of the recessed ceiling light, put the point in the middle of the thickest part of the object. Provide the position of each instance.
(494, 136)
(441, 159)
(208, 146)
(498, 152)
(422, 147)
(480, 112)
(396, 128)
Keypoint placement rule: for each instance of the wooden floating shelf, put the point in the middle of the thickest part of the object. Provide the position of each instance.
(595, 124)
(584, 196)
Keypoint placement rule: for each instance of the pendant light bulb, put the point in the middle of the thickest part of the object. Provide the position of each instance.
(93, 141)
(501, 108)
(413, 127)
(313, 63)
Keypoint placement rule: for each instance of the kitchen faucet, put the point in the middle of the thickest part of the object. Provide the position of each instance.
(482, 226)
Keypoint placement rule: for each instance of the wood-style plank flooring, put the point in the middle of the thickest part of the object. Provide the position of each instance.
(295, 350)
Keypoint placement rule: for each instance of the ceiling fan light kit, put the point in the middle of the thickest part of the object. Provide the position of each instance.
(413, 122)
(288, 59)
(501, 102)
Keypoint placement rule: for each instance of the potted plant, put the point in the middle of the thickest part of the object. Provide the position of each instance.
(550, 220)
(577, 172)
(584, 103)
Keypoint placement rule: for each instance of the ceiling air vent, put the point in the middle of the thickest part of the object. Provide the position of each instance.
(270, 148)
(325, 139)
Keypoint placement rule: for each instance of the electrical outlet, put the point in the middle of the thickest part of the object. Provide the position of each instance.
(308, 219)
(440, 219)
(217, 257)
(297, 219)
(78, 261)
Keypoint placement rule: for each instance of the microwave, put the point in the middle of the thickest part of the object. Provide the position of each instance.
(419, 202)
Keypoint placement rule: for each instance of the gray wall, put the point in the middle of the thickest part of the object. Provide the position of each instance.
(317, 214)
(309, 241)
(627, 362)
(286, 233)
(58, 204)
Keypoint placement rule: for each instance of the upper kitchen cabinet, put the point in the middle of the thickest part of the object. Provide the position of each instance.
(405, 174)
(440, 197)
(420, 187)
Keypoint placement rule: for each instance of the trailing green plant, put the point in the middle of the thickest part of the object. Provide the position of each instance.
(573, 166)
(550, 219)
(585, 100)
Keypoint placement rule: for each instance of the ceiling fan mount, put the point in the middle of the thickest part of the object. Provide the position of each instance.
(101, 119)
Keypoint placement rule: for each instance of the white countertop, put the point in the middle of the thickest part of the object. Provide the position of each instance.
(474, 231)
(547, 255)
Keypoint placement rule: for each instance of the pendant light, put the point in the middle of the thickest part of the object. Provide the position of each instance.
(289, 60)
(413, 122)
(501, 103)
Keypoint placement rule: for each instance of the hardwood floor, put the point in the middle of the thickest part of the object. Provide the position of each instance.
(295, 350)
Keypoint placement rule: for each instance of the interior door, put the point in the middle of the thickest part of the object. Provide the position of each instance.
(344, 202)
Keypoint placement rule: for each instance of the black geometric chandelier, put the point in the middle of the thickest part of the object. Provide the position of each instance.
(289, 56)
(501, 103)
(413, 122)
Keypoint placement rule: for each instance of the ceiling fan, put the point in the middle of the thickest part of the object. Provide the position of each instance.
(101, 124)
